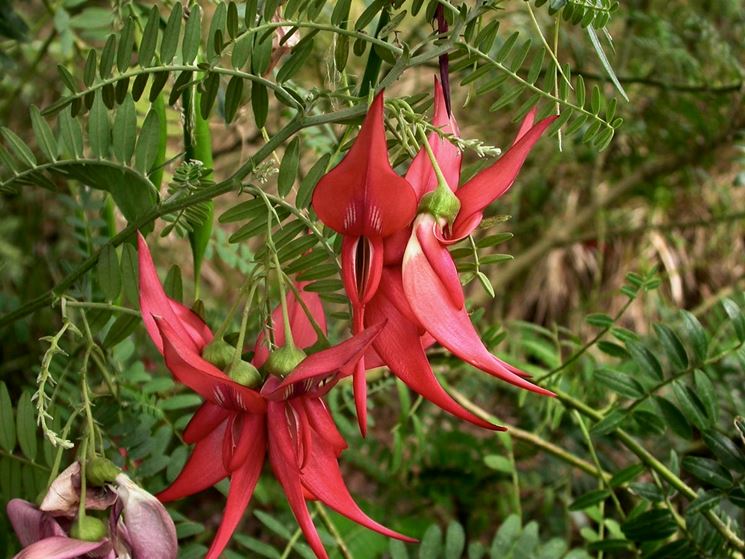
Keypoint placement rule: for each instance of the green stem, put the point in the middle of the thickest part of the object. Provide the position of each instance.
(91, 426)
(220, 332)
(289, 340)
(530, 438)
(22, 460)
(54, 472)
(316, 327)
(442, 183)
(244, 326)
(343, 549)
(587, 346)
(291, 543)
(591, 447)
(82, 461)
(101, 306)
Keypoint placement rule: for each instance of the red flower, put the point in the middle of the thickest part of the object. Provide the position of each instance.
(430, 279)
(420, 294)
(364, 200)
(236, 426)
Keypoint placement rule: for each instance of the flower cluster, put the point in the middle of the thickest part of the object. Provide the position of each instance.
(405, 296)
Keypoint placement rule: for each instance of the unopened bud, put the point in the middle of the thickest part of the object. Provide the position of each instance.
(244, 373)
(283, 361)
(219, 353)
(100, 471)
(441, 203)
(89, 529)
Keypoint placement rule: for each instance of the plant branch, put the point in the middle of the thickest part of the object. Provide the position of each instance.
(654, 464)
(530, 438)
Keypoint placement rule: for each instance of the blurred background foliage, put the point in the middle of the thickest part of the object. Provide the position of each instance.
(629, 214)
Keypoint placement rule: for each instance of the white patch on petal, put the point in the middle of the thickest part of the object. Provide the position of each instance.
(219, 396)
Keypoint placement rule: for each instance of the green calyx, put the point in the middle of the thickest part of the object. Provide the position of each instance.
(89, 529)
(100, 471)
(283, 361)
(218, 352)
(441, 203)
(244, 373)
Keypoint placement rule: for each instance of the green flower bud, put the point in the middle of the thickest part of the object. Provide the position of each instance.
(100, 471)
(89, 529)
(218, 352)
(282, 361)
(441, 203)
(244, 373)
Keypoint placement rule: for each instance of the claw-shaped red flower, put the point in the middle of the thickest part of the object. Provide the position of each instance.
(420, 293)
(288, 419)
(430, 278)
(364, 200)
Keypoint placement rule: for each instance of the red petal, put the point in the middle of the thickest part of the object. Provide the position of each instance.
(204, 421)
(439, 258)
(285, 468)
(492, 182)
(421, 174)
(450, 326)
(203, 469)
(155, 302)
(359, 381)
(323, 479)
(320, 366)
(303, 332)
(525, 125)
(251, 440)
(204, 378)
(400, 346)
(304, 431)
(323, 424)
(363, 196)
(242, 484)
(230, 439)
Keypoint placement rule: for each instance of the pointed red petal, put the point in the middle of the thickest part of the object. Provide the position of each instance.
(359, 383)
(425, 228)
(303, 332)
(194, 326)
(155, 302)
(285, 468)
(242, 484)
(449, 325)
(202, 470)
(421, 174)
(323, 479)
(494, 181)
(323, 424)
(400, 347)
(363, 196)
(204, 378)
(204, 421)
(525, 125)
(321, 366)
